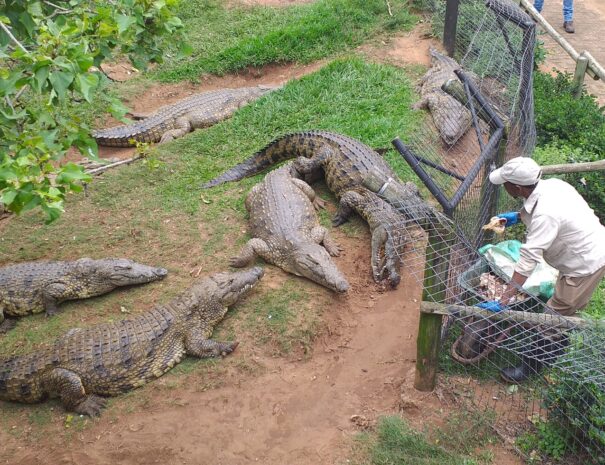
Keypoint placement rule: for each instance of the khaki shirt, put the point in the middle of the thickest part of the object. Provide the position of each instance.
(563, 229)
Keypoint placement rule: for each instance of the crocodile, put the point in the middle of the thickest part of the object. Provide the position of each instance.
(286, 230)
(34, 287)
(388, 227)
(451, 118)
(345, 162)
(176, 120)
(84, 365)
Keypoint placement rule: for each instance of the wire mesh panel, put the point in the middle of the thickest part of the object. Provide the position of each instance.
(479, 113)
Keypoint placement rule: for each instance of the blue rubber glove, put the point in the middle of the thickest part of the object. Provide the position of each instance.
(510, 217)
(491, 305)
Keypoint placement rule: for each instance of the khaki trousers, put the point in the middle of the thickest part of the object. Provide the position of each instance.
(573, 293)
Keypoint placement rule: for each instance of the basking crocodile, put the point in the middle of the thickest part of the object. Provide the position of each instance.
(113, 358)
(286, 230)
(389, 231)
(451, 118)
(176, 120)
(34, 287)
(344, 160)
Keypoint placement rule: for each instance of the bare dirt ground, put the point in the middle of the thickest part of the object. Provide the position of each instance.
(286, 410)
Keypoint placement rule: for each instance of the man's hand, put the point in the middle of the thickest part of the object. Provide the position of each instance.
(510, 217)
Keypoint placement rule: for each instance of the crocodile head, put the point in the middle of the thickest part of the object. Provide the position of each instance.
(121, 271)
(229, 287)
(313, 262)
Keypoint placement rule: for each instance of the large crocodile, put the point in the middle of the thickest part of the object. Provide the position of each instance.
(286, 230)
(33, 287)
(389, 230)
(451, 118)
(176, 120)
(113, 358)
(344, 160)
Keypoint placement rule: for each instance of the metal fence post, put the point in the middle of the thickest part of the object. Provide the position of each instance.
(449, 29)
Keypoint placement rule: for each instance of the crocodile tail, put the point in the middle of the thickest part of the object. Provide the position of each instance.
(284, 148)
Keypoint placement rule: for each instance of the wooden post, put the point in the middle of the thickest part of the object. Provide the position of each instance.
(429, 327)
(578, 75)
(449, 28)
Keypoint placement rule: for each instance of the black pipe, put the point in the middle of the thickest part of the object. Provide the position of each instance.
(412, 160)
(514, 15)
(450, 26)
(439, 168)
(495, 121)
(471, 105)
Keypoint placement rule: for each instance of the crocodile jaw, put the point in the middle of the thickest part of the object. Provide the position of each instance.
(124, 272)
(314, 263)
(231, 286)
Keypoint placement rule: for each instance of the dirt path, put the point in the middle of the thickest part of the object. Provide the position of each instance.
(589, 20)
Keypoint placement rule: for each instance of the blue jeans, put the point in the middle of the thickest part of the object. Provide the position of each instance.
(567, 8)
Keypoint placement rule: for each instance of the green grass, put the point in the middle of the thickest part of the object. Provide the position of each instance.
(230, 39)
(395, 443)
(367, 101)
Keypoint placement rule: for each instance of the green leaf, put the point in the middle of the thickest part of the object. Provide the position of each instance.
(87, 83)
(124, 22)
(72, 172)
(40, 77)
(8, 196)
(60, 81)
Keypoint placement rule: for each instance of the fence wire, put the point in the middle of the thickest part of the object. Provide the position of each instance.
(479, 114)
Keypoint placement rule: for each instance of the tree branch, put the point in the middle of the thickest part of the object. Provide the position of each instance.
(12, 37)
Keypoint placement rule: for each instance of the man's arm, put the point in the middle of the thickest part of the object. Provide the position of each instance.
(542, 232)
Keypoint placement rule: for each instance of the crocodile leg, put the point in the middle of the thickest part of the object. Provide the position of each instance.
(322, 236)
(182, 127)
(51, 296)
(254, 247)
(197, 346)
(310, 166)
(318, 202)
(422, 104)
(379, 238)
(7, 324)
(139, 116)
(344, 212)
(68, 386)
(392, 262)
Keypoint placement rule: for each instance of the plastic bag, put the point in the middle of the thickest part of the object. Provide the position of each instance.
(504, 256)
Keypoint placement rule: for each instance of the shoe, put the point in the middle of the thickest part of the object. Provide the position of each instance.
(518, 374)
(568, 26)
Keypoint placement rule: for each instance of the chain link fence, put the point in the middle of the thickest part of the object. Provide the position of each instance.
(479, 113)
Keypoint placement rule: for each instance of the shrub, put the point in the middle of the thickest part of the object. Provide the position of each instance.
(575, 397)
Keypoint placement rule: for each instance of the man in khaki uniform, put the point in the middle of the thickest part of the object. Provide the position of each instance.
(562, 229)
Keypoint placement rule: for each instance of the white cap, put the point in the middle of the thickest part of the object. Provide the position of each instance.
(522, 171)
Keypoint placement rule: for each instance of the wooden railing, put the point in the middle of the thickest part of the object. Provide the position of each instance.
(585, 62)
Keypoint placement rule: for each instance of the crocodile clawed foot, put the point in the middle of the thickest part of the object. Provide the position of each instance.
(91, 406)
(319, 203)
(7, 325)
(237, 262)
(228, 347)
(338, 220)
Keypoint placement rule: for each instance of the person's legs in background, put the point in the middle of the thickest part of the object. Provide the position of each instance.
(538, 4)
(568, 16)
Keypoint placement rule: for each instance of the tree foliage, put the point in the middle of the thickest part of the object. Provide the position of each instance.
(50, 54)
